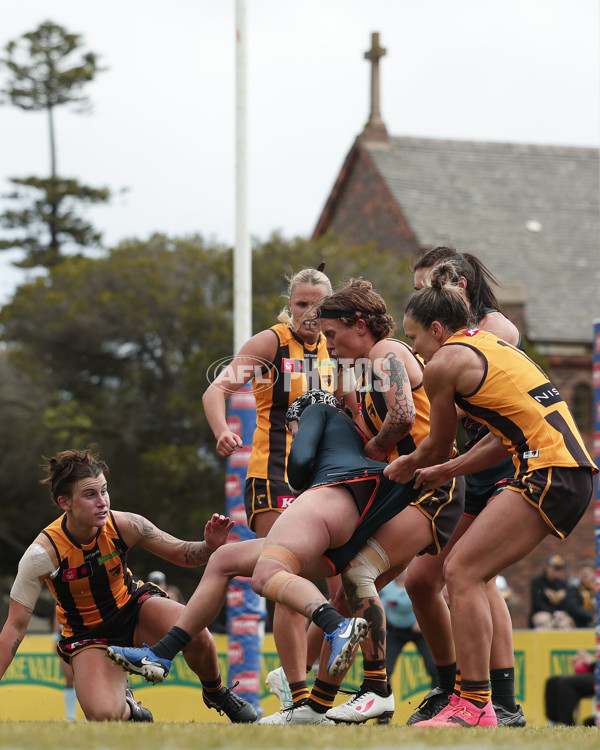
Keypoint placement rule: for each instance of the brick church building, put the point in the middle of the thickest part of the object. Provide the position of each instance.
(529, 212)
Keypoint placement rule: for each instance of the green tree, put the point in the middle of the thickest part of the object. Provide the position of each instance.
(43, 75)
(277, 259)
(116, 351)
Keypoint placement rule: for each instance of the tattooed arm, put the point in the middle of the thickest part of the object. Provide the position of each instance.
(137, 530)
(391, 377)
(13, 633)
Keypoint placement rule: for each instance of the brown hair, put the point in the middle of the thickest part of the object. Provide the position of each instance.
(478, 277)
(357, 300)
(440, 299)
(68, 467)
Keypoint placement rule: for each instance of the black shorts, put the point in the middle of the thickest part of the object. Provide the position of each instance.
(119, 630)
(477, 496)
(262, 495)
(560, 494)
(388, 501)
(443, 506)
(483, 485)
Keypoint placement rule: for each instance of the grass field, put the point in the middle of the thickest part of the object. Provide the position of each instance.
(60, 735)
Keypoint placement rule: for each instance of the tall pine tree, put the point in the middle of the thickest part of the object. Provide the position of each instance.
(44, 74)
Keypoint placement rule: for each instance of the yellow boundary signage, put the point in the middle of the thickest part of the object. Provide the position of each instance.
(32, 686)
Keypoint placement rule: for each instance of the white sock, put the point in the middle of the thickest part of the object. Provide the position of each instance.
(70, 703)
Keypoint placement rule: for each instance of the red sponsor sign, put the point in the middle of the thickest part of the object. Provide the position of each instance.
(244, 625)
(233, 537)
(233, 485)
(240, 457)
(235, 425)
(235, 653)
(249, 682)
(238, 515)
(235, 596)
(243, 399)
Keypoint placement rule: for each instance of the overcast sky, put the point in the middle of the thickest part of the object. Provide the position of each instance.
(163, 123)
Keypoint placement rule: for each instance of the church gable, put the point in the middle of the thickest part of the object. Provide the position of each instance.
(529, 212)
(362, 210)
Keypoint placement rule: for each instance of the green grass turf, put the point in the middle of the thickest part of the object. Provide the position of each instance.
(60, 735)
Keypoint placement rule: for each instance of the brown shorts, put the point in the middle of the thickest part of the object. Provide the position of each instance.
(560, 494)
(262, 495)
(444, 506)
(119, 630)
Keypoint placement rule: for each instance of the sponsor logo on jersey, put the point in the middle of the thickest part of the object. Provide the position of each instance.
(284, 501)
(546, 394)
(75, 574)
(531, 454)
(292, 365)
(109, 556)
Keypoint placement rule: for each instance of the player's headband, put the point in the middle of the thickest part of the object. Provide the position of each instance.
(330, 313)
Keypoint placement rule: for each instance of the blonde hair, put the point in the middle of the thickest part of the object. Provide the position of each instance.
(306, 276)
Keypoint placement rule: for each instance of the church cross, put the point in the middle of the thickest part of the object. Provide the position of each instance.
(374, 55)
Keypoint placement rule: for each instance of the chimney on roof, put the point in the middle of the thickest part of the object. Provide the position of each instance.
(375, 127)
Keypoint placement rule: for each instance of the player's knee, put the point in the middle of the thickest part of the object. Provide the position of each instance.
(107, 713)
(203, 641)
(270, 581)
(455, 575)
(275, 559)
(223, 561)
(419, 586)
(359, 578)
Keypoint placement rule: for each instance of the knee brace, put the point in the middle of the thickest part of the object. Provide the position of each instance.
(363, 571)
(282, 555)
(276, 585)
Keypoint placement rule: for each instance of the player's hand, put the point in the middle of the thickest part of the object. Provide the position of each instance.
(400, 470)
(228, 442)
(374, 451)
(431, 477)
(217, 530)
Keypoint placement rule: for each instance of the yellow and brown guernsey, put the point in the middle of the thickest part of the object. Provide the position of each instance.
(373, 409)
(297, 367)
(93, 580)
(518, 403)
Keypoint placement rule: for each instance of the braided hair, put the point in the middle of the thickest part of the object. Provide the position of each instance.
(307, 399)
